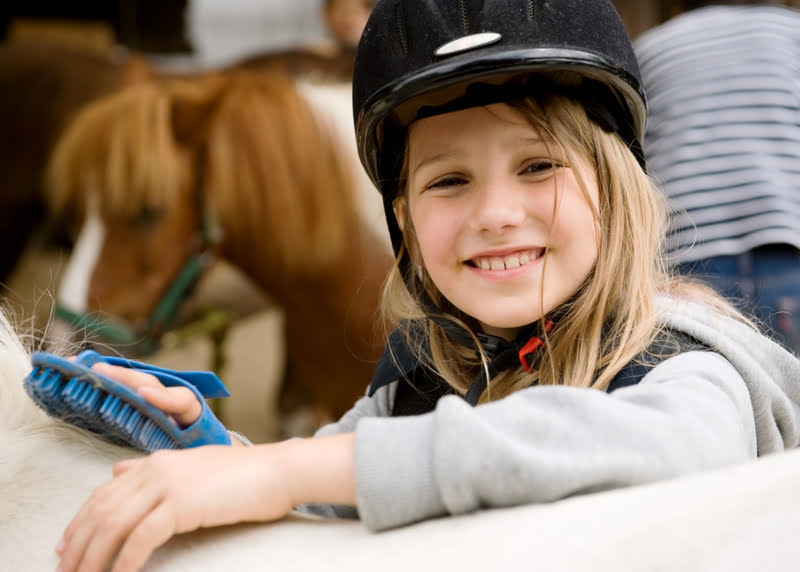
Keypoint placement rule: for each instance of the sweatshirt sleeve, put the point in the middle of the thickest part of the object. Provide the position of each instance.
(691, 412)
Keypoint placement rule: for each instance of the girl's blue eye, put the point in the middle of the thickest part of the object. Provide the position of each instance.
(447, 181)
(541, 166)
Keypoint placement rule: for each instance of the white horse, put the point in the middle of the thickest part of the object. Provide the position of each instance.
(741, 518)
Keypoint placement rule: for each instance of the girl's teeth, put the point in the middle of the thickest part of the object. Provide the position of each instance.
(497, 263)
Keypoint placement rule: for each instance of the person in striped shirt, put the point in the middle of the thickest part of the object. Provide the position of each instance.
(723, 140)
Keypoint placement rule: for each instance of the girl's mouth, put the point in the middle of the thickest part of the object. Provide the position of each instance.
(506, 262)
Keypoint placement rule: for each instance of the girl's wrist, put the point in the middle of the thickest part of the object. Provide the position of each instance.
(320, 469)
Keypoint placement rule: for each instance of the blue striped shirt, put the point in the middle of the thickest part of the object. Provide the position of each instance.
(723, 134)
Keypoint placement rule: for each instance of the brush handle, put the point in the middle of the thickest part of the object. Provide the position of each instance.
(205, 382)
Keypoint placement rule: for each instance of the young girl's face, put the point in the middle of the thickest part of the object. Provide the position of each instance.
(490, 201)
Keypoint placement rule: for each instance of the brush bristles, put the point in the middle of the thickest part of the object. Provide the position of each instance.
(80, 402)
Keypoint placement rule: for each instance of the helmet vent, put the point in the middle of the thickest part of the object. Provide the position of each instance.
(532, 10)
(464, 16)
(401, 29)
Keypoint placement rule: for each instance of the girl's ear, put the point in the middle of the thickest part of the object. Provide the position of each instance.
(400, 212)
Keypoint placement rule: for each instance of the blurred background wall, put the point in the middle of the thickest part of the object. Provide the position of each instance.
(207, 32)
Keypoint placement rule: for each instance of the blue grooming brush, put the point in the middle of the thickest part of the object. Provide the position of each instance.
(71, 391)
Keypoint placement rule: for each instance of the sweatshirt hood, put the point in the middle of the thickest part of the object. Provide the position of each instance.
(771, 373)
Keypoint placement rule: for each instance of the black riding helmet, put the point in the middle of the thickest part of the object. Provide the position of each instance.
(418, 58)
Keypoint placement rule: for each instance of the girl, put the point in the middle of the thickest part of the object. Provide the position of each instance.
(540, 352)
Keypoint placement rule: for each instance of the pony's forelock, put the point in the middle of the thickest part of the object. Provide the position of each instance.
(121, 148)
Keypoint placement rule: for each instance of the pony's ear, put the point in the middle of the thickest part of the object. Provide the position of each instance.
(136, 69)
(192, 106)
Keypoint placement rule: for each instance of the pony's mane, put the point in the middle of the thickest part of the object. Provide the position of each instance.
(266, 159)
(121, 149)
(278, 167)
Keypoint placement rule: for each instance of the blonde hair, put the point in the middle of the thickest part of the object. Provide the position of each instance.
(612, 318)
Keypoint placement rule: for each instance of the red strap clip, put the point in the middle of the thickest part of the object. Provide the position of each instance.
(532, 346)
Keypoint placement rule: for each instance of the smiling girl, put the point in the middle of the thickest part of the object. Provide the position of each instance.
(540, 351)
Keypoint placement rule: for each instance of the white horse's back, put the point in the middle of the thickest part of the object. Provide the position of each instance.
(740, 518)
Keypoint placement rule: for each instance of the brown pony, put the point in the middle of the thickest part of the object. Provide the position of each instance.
(42, 85)
(240, 165)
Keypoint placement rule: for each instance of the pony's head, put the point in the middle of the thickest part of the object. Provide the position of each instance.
(119, 170)
(166, 175)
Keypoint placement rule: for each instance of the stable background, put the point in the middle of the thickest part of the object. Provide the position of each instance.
(215, 29)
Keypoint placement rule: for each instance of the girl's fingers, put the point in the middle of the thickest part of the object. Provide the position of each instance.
(100, 527)
(132, 378)
(153, 531)
(165, 493)
(180, 402)
(123, 466)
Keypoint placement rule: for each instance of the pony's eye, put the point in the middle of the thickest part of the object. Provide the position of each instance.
(147, 216)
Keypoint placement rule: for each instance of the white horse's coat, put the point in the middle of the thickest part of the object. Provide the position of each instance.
(741, 518)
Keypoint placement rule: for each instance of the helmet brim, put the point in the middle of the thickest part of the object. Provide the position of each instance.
(440, 81)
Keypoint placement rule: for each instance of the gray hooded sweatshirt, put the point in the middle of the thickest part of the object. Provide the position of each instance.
(697, 410)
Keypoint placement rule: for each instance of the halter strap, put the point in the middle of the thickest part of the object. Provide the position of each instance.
(163, 317)
(146, 340)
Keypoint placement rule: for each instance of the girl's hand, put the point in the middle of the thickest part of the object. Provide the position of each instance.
(178, 402)
(150, 499)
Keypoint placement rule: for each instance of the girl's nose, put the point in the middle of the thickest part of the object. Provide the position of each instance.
(499, 205)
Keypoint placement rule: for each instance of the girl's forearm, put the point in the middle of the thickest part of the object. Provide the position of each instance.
(320, 469)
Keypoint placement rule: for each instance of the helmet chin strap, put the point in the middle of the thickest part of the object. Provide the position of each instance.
(524, 350)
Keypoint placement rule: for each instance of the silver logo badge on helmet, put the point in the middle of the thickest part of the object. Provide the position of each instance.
(467, 43)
